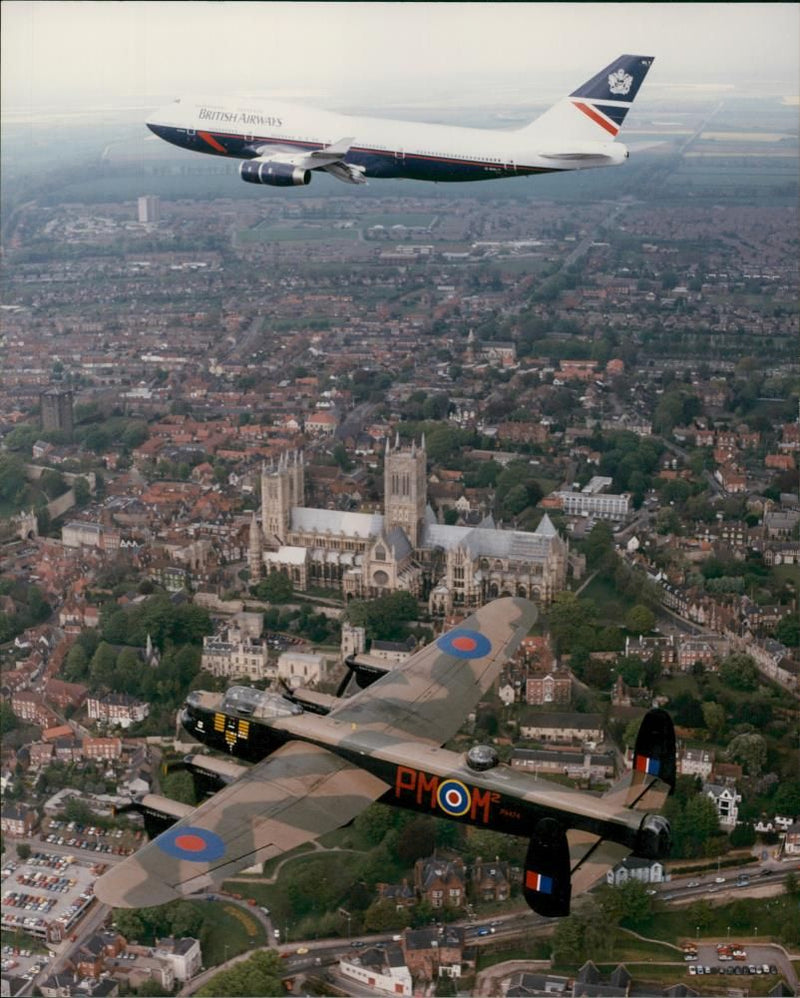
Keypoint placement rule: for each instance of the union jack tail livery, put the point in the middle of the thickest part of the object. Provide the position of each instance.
(596, 110)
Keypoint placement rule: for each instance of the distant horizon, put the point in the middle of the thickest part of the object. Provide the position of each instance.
(59, 54)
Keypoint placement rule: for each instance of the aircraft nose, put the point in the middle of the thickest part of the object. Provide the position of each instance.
(163, 117)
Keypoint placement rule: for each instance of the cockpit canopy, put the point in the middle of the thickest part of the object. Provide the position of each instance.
(245, 701)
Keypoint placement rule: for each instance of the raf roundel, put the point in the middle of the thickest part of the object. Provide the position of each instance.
(453, 798)
(463, 643)
(198, 845)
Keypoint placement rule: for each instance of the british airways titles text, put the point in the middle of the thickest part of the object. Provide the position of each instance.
(239, 117)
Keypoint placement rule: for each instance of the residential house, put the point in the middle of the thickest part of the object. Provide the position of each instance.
(16, 819)
(441, 882)
(561, 727)
(646, 871)
(791, 841)
(491, 881)
(118, 709)
(545, 686)
(402, 895)
(696, 762)
(726, 801)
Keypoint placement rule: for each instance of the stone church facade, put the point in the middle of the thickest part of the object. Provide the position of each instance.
(405, 548)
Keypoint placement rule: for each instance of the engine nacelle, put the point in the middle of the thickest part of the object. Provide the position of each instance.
(273, 173)
(654, 838)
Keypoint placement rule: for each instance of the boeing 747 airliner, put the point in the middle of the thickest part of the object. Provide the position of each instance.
(282, 144)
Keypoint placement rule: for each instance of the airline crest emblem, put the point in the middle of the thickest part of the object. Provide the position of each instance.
(619, 82)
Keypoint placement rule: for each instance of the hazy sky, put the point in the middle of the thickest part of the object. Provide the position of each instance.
(63, 52)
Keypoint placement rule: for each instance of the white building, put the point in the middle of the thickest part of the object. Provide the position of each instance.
(184, 956)
(381, 969)
(149, 208)
(602, 505)
(726, 801)
(234, 655)
(646, 871)
(696, 762)
(301, 668)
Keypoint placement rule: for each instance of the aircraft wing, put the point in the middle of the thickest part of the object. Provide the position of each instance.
(429, 696)
(330, 158)
(591, 857)
(295, 795)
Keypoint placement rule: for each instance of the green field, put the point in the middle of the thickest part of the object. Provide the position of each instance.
(227, 931)
(267, 233)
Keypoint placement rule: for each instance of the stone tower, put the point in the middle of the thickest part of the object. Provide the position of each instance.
(405, 488)
(255, 550)
(282, 487)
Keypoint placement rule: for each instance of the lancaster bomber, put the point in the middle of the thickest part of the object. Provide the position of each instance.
(282, 144)
(317, 767)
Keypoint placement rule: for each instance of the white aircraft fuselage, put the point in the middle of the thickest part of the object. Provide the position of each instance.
(281, 144)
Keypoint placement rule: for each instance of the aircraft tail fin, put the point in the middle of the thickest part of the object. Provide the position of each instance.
(547, 885)
(596, 110)
(652, 779)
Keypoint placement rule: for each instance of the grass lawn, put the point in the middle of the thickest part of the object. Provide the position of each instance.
(771, 915)
(271, 865)
(537, 949)
(227, 931)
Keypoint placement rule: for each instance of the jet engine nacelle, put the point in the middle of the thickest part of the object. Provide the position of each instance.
(274, 173)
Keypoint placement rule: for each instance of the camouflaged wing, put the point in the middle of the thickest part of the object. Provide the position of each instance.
(297, 794)
(429, 696)
(591, 857)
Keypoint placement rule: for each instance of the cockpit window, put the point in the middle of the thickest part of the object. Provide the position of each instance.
(249, 702)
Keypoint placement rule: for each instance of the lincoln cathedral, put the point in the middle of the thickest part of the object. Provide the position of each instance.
(371, 554)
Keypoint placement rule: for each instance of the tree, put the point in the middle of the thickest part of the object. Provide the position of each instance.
(640, 619)
(567, 618)
(150, 988)
(739, 671)
(276, 588)
(788, 631)
(260, 975)
(787, 798)
(599, 544)
(715, 718)
(634, 902)
(8, 719)
(416, 840)
(743, 836)
(700, 914)
(384, 618)
(103, 665)
(750, 749)
(382, 916)
(52, 483)
(82, 491)
(179, 786)
(23, 850)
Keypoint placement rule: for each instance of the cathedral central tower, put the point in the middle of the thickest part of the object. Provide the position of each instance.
(405, 488)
